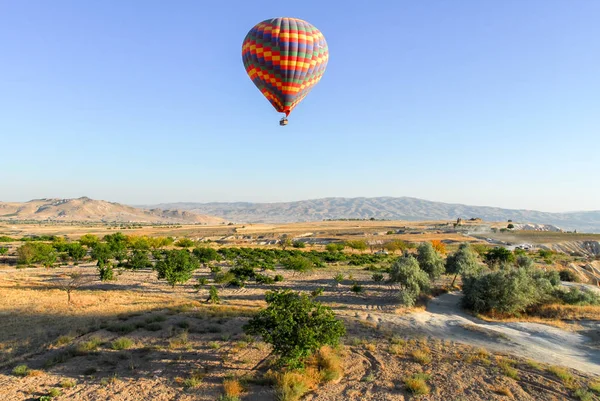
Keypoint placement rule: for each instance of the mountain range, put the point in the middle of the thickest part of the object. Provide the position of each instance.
(390, 208)
(89, 210)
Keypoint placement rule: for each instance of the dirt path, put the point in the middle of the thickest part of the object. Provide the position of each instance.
(445, 319)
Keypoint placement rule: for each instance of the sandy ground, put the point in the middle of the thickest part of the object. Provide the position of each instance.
(446, 320)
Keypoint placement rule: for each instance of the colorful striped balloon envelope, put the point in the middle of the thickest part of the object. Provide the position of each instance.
(285, 58)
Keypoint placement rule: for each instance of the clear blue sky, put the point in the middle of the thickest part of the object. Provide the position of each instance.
(479, 102)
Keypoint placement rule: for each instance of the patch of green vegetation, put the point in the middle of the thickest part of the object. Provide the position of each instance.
(121, 343)
(20, 370)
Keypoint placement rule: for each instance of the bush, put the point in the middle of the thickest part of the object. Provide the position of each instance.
(568, 275)
(498, 256)
(377, 277)
(298, 263)
(20, 370)
(263, 279)
(121, 343)
(429, 260)
(335, 247)
(417, 384)
(184, 243)
(575, 296)
(356, 288)
(295, 325)
(508, 291)
(338, 278)
(105, 271)
(278, 278)
(3, 250)
(298, 244)
(36, 252)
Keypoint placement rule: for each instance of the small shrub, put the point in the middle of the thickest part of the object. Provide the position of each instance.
(278, 278)
(68, 383)
(214, 345)
(194, 380)
(213, 296)
(88, 346)
(423, 356)
(63, 340)
(377, 277)
(264, 279)
(329, 364)
(595, 386)
(232, 387)
(568, 275)
(338, 278)
(20, 370)
(54, 392)
(562, 373)
(179, 341)
(396, 349)
(356, 288)
(417, 384)
(583, 394)
(202, 281)
(291, 386)
(507, 369)
(317, 292)
(121, 343)
(184, 243)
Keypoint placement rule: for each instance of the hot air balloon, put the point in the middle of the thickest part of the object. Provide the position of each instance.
(285, 58)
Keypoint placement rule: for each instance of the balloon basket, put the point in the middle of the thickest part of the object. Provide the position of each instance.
(283, 122)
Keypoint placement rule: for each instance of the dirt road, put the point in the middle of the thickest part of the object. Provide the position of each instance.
(444, 319)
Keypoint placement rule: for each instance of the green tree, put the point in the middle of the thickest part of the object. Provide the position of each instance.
(430, 260)
(205, 255)
(76, 251)
(396, 245)
(177, 266)
(138, 260)
(413, 281)
(335, 247)
(359, 245)
(26, 254)
(101, 252)
(36, 252)
(89, 240)
(295, 325)
(117, 243)
(510, 226)
(463, 261)
(497, 256)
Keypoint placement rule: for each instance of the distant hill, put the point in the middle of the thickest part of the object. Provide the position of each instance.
(89, 210)
(403, 208)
